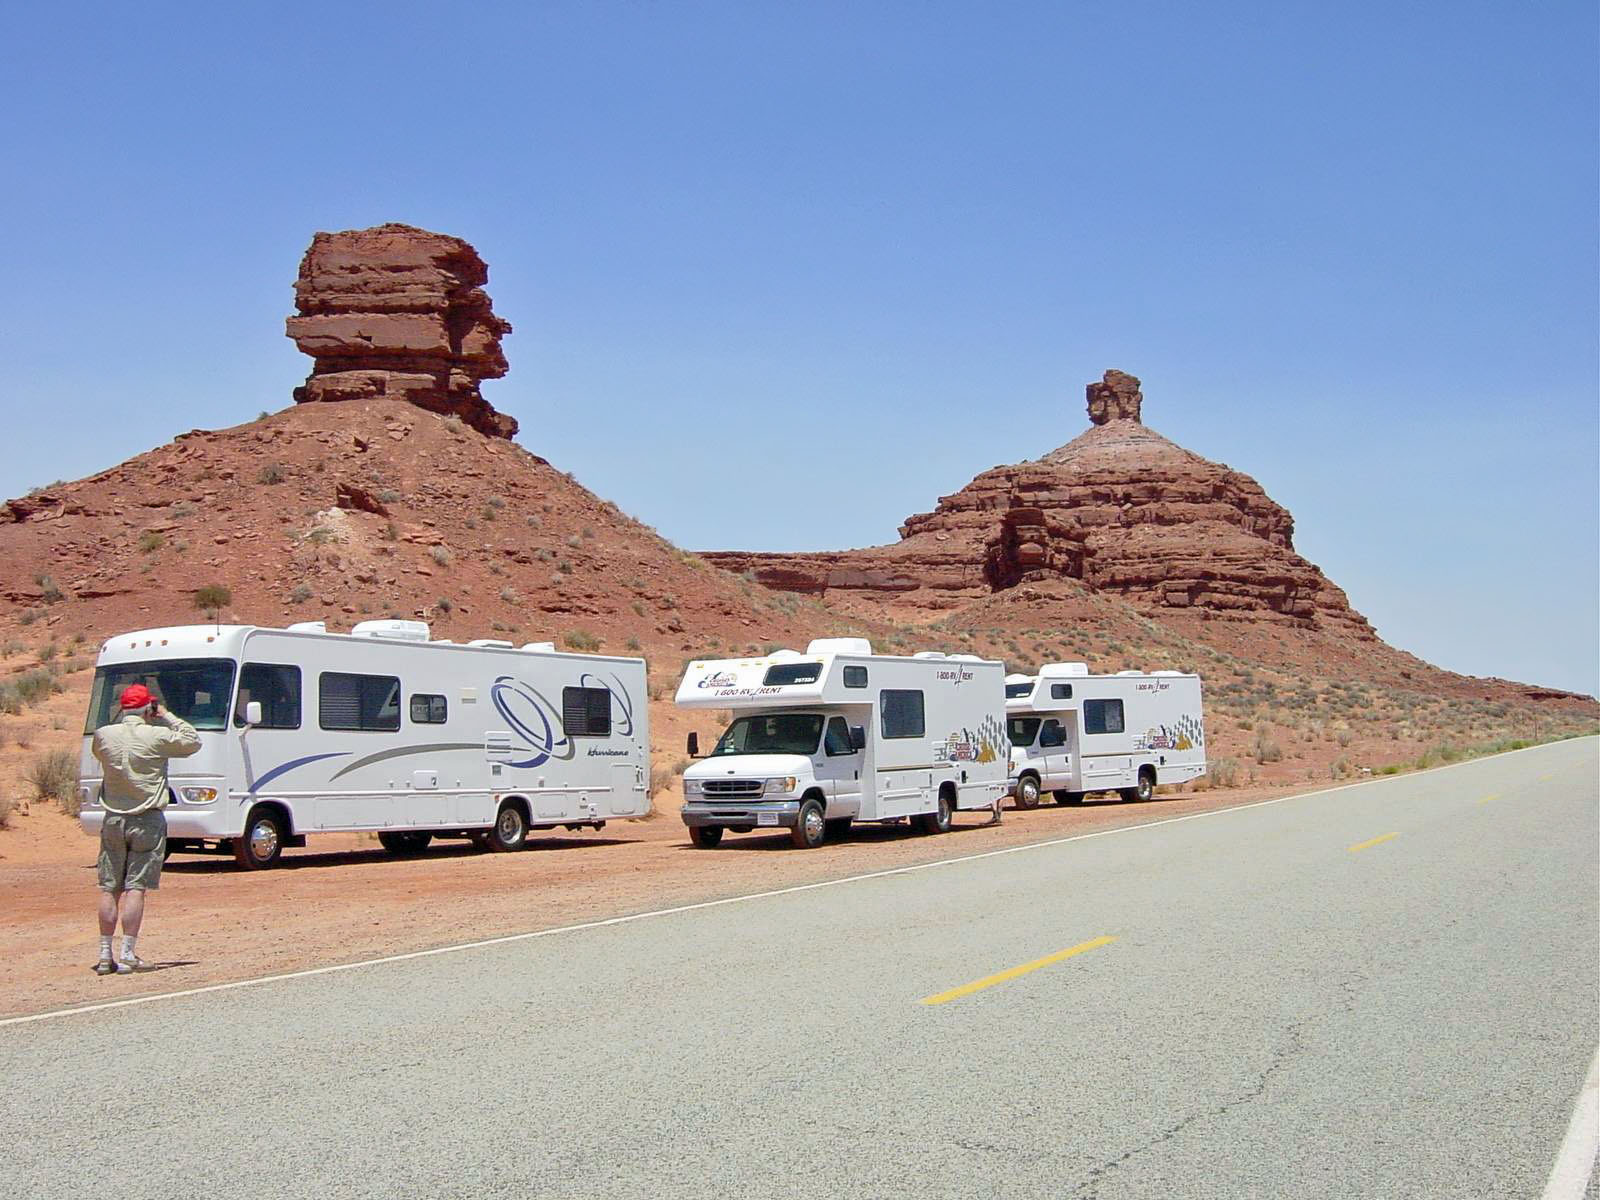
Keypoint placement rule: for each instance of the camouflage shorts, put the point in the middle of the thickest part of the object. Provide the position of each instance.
(132, 849)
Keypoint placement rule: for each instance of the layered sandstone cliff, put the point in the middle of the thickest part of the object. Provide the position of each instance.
(1120, 508)
(398, 312)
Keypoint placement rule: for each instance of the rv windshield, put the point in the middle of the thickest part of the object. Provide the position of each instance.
(773, 733)
(1022, 730)
(196, 689)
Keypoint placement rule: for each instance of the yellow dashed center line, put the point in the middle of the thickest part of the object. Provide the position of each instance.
(1377, 841)
(988, 981)
(1486, 799)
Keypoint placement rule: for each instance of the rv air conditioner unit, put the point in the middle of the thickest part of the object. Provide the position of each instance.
(309, 627)
(394, 631)
(491, 643)
(842, 645)
(545, 647)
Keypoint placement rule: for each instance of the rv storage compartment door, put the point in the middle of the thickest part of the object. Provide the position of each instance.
(627, 790)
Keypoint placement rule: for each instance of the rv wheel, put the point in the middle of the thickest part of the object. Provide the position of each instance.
(262, 841)
(1068, 797)
(510, 830)
(1027, 792)
(937, 821)
(705, 836)
(405, 843)
(810, 829)
(1146, 787)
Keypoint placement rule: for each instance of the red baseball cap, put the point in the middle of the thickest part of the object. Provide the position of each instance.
(136, 696)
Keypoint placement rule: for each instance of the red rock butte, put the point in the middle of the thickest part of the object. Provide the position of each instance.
(1119, 508)
(399, 312)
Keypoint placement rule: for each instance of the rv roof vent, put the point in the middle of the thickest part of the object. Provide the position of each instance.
(541, 647)
(1065, 668)
(845, 645)
(785, 656)
(309, 627)
(930, 654)
(441, 642)
(490, 643)
(396, 631)
(1130, 672)
(1166, 672)
(968, 657)
(1019, 678)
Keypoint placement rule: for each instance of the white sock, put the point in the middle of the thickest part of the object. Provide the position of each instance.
(127, 947)
(105, 945)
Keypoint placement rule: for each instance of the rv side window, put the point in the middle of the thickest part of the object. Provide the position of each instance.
(277, 687)
(1017, 691)
(1061, 691)
(1102, 716)
(365, 703)
(837, 741)
(902, 713)
(429, 710)
(855, 677)
(1052, 735)
(782, 674)
(586, 711)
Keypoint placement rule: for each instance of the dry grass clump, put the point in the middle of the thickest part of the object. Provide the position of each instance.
(53, 777)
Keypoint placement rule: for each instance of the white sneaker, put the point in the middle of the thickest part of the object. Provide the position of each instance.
(105, 966)
(127, 966)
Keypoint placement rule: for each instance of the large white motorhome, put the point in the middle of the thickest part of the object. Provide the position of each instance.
(840, 734)
(305, 731)
(1072, 732)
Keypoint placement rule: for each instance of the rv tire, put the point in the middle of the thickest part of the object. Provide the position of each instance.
(405, 843)
(261, 842)
(1027, 792)
(1068, 797)
(809, 828)
(510, 829)
(938, 821)
(705, 837)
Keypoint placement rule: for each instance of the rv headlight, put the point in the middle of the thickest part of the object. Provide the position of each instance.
(692, 787)
(199, 795)
(85, 797)
(778, 787)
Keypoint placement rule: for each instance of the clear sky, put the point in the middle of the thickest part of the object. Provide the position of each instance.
(782, 274)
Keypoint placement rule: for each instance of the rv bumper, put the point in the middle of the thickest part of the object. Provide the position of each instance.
(181, 823)
(779, 813)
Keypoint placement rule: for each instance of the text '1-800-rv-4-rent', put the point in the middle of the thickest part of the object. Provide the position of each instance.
(381, 729)
(839, 734)
(1072, 732)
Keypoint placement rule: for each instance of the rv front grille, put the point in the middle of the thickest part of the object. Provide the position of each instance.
(732, 787)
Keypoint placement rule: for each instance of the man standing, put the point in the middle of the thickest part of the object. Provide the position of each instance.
(133, 755)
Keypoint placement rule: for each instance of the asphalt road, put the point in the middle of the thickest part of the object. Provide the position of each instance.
(1278, 1013)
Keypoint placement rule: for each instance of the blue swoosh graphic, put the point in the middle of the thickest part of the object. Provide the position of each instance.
(263, 780)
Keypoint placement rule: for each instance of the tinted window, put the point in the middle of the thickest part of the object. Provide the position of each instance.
(196, 689)
(586, 711)
(1052, 735)
(276, 688)
(1020, 731)
(429, 710)
(774, 733)
(855, 677)
(1061, 691)
(1102, 716)
(1018, 691)
(781, 674)
(838, 739)
(367, 703)
(902, 713)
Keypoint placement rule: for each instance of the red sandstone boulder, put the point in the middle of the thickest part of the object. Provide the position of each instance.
(399, 312)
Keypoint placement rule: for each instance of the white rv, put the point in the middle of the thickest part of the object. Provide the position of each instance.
(839, 734)
(304, 731)
(1072, 732)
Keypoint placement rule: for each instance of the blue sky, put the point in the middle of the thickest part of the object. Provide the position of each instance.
(781, 275)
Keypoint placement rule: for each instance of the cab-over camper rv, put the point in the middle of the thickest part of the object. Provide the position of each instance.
(1072, 732)
(839, 734)
(382, 729)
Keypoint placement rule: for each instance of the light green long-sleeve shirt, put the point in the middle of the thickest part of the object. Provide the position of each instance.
(133, 753)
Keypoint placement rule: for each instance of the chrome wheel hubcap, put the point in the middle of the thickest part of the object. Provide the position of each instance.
(813, 824)
(263, 839)
(508, 825)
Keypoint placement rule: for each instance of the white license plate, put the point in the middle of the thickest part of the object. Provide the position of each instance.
(766, 818)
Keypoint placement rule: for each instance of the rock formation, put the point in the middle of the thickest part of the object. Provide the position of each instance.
(1120, 508)
(400, 312)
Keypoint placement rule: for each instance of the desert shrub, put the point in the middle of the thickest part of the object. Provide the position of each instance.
(496, 502)
(441, 555)
(48, 591)
(10, 699)
(301, 593)
(574, 540)
(510, 595)
(1340, 768)
(183, 509)
(48, 651)
(1266, 750)
(581, 640)
(271, 473)
(1223, 772)
(632, 645)
(212, 598)
(535, 521)
(388, 496)
(588, 531)
(454, 423)
(7, 804)
(444, 604)
(564, 567)
(664, 778)
(319, 535)
(150, 541)
(32, 687)
(53, 777)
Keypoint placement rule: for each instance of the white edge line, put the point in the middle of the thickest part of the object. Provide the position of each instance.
(725, 900)
(1569, 1178)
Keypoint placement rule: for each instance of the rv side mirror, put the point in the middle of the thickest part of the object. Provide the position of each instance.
(252, 713)
(694, 744)
(858, 738)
